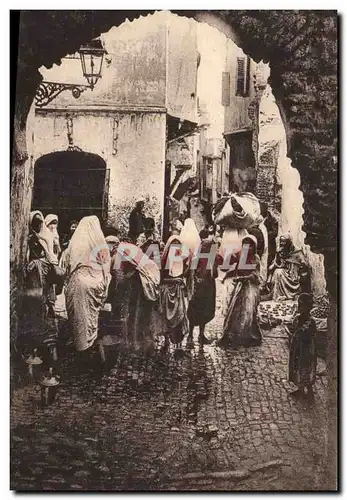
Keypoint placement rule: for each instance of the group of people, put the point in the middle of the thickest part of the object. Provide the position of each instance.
(150, 298)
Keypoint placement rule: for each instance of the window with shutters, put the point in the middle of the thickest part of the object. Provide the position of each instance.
(243, 76)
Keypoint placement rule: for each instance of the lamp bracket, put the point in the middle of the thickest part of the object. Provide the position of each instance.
(47, 91)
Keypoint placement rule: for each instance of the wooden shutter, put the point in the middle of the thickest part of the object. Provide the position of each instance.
(240, 76)
(225, 89)
(248, 76)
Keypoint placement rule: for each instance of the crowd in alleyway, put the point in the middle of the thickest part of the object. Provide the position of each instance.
(143, 289)
(215, 419)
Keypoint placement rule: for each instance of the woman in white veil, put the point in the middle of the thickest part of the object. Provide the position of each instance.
(37, 315)
(51, 221)
(190, 236)
(87, 265)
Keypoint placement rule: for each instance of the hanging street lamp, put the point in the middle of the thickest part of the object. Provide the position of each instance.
(91, 56)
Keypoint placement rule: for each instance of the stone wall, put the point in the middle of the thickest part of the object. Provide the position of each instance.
(132, 145)
(182, 68)
(278, 183)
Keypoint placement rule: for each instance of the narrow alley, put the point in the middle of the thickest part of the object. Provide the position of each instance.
(213, 420)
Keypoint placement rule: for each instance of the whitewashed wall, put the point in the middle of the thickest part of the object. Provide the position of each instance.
(137, 168)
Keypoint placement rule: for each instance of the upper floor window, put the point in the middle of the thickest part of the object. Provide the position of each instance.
(243, 65)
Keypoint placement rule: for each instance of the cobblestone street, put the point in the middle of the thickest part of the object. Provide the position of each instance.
(212, 420)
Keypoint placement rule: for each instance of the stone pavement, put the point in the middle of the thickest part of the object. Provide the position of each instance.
(211, 420)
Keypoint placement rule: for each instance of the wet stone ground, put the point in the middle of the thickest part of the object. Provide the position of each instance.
(210, 420)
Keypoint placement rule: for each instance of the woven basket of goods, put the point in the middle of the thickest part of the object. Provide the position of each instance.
(321, 307)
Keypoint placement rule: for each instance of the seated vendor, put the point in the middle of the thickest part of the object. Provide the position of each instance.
(286, 269)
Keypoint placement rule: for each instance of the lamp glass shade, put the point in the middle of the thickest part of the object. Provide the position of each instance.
(92, 56)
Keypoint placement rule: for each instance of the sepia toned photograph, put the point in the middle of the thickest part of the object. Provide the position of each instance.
(173, 251)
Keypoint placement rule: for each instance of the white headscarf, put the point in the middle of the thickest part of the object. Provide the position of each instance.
(88, 247)
(174, 267)
(190, 236)
(113, 242)
(48, 219)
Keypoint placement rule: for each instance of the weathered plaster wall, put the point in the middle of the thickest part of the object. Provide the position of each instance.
(135, 159)
(138, 169)
(182, 68)
(134, 71)
(151, 61)
(242, 115)
(212, 49)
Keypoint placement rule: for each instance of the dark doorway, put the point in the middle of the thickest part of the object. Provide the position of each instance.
(242, 173)
(71, 184)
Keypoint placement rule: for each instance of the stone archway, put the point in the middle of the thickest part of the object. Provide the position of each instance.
(301, 48)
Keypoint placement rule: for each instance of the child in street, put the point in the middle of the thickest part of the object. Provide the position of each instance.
(302, 350)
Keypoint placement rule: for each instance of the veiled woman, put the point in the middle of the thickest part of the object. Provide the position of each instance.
(143, 277)
(87, 264)
(190, 236)
(173, 287)
(284, 272)
(202, 306)
(51, 221)
(240, 323)
(37, 315)
(40, 237)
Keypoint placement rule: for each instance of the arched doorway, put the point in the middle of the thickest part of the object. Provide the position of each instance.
(71, 184)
